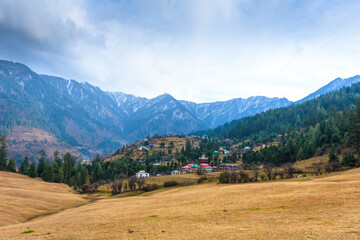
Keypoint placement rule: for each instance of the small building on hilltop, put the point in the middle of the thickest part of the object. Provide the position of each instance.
(143, 148)
(142, 174)
(223, 167)
(187, 168)
(203, 159)
(175, 172)
(205, 168)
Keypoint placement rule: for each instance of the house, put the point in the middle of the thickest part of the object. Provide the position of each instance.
(203, 159)
(187, 168)
(194, 168)
(215, 153)
(175, 172)
(221, 150)
(143, 148)
(205, 168)
(228, 167)
(142, 174)
(226, 151)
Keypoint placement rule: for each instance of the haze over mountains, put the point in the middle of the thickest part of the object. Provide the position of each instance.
(82, 115)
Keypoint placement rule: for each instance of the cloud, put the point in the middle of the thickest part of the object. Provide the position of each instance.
(196, 50)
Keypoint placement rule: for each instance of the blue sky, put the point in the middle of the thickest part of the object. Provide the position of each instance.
(199, 50)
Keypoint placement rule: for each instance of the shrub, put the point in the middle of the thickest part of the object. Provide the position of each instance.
(117, 187)
(150, 187)
(243, 177)
(201, 179)
(171, 184)
(224, 177)
(89, 188)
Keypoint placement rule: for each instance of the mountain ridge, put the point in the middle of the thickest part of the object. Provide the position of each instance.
(85, 116)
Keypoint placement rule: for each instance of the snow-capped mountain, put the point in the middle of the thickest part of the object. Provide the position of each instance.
(217, 113)
(332, 86)
(85, 116)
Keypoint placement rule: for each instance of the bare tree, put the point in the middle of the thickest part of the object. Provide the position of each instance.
(317, 168)
(256, 174)
(268, 169)
(117, 186)
(289, 169)
(140, 181)
(132, 183)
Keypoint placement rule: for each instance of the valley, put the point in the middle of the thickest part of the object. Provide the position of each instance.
(320, 207)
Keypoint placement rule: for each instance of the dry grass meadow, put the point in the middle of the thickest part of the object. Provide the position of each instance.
(23, 198)
(323, 207)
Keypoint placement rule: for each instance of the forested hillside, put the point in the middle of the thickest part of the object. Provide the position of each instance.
(308, 129)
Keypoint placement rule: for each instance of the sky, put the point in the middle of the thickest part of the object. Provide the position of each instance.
(197, 50)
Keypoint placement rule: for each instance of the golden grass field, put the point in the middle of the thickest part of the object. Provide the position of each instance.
(22, 198)
(323, 207)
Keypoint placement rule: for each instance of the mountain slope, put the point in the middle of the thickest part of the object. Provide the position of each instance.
(332, 86)
(217, 113)
(84, 116)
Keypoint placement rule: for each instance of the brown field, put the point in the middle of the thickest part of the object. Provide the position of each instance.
(324, 207)
(23, 198)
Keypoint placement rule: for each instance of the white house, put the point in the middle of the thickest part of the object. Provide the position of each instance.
(175, 172)
(142, 174)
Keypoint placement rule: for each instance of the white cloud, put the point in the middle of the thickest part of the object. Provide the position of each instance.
(194, 50)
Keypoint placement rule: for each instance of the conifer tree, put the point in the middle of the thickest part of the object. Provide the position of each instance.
(333, 157)
(48, 174)
(11, 166)
(24, 168)
(3, 153)
(58, 171)
(354, 129)
(85, 178)
(42, 163)
(32, 170)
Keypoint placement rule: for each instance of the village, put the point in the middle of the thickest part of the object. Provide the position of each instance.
(180, 154)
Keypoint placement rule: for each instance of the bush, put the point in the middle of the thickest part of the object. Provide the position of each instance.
(171, 184)
(243, 177)
(224, 177)
(201, 179)
(150, 187)
(117, 187)
(89, 188)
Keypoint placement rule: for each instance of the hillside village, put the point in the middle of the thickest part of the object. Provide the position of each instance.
(182, 154)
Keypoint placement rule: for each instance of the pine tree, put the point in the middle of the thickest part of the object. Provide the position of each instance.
(300, 154)
(333, 157)
(11, 166)
(85, 179)
(24, 168)
(59, 172)
(32, 170)
(48, 174)
(354, 129)
(3, 153)
(42, 163)
(349, 160)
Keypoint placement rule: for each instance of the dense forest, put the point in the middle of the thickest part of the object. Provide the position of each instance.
(313, 128)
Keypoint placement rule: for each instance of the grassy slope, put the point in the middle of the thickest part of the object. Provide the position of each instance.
(22, 198)
(325, 207)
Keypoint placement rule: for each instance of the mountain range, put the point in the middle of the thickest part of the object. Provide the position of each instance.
(93, 121)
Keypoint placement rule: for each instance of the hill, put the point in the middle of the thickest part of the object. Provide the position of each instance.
(72, 112)
(23, 198)
(334, 85)
(324, 207)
